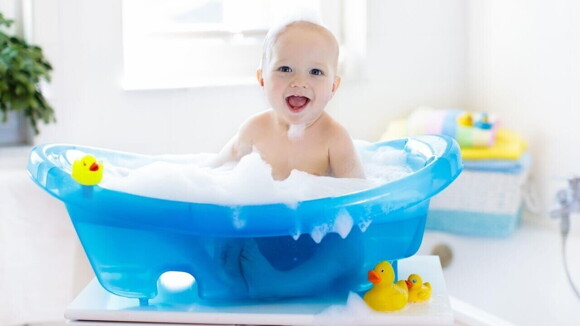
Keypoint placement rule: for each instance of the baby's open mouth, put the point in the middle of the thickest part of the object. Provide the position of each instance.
(297, 103)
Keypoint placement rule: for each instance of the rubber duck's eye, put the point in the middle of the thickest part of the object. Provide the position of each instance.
(414, 281)
(382, 270)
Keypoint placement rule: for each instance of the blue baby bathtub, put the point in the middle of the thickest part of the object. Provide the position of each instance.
(131, 240)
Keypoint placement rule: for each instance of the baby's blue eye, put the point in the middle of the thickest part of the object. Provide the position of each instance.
(285, 69)
(316, 72)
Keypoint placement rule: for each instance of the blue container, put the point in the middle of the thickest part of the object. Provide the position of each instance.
(131, 240)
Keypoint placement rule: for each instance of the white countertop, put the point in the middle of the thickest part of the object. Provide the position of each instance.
(95, 306)
(519, 278)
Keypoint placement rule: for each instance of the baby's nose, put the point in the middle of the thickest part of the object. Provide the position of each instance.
(298, 82)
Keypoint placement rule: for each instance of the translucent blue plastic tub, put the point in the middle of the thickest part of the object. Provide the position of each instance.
(131, 240)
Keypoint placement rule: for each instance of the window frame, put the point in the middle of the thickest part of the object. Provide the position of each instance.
(332, 14)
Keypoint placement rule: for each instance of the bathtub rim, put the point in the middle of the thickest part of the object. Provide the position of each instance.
(442, 164)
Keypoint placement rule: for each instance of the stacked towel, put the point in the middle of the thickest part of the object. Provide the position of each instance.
(508, 146)
(482, 144)
(502, 166)
(487, 198)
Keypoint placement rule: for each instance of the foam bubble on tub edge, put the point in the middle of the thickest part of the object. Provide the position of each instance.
(296, 234)
(236, 220)
(363, 225)
(343, 223)
(319, 232)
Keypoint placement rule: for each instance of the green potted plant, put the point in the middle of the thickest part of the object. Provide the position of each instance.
(22, 67)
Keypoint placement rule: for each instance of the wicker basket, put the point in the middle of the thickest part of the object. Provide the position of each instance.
(479, 203)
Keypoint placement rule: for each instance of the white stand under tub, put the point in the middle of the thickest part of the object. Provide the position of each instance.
(95, 306)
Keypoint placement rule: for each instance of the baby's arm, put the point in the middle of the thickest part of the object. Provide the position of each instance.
(343, 158)
(239, 146)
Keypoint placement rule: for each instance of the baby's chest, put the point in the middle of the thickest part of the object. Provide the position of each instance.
(300, 156)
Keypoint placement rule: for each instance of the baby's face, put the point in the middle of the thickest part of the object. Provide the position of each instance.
(300, 76)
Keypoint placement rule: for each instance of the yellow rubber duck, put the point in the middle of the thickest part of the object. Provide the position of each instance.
(87, 171)
(465, 119)
(386, 295)
(418, 291)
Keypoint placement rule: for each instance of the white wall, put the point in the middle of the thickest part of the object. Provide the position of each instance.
(515, 58)
(524, 64)
(416, 55)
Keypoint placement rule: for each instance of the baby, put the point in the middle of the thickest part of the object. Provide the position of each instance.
(299, 76)
(298, 73)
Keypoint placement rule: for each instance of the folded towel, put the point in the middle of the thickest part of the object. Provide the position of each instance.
(508, 145)
(501, 166)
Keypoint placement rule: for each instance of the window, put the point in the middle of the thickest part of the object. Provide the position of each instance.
(185, 43)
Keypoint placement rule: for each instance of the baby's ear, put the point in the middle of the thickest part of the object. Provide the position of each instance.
(336, 83)
(260, 79)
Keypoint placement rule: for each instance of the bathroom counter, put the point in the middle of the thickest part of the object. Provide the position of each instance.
(95, 306)
(519, 278)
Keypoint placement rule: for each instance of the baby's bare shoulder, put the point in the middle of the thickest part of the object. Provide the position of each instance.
(344, 161)
(256, 123)
(336, 132)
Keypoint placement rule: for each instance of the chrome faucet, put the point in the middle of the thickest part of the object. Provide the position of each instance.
(569, 201)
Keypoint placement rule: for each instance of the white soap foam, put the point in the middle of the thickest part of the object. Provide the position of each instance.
(319, 232)
(296, 132)
(364, 224)
(354, 312)
(249, 182)
(343, 223)
(366, 219)
(296, 235)
(237, 221)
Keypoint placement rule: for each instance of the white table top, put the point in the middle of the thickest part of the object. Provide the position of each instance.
(94, 306)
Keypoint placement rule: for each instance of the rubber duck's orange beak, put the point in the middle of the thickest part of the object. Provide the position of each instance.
(374, 277)
(409, 284)
(94, 167)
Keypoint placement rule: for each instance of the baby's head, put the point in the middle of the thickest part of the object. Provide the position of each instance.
(299, 71)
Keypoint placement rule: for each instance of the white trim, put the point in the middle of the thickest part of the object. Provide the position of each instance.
(333, 21)
(27, 17)
(354, 36)
(466, 314)
(142, 86)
